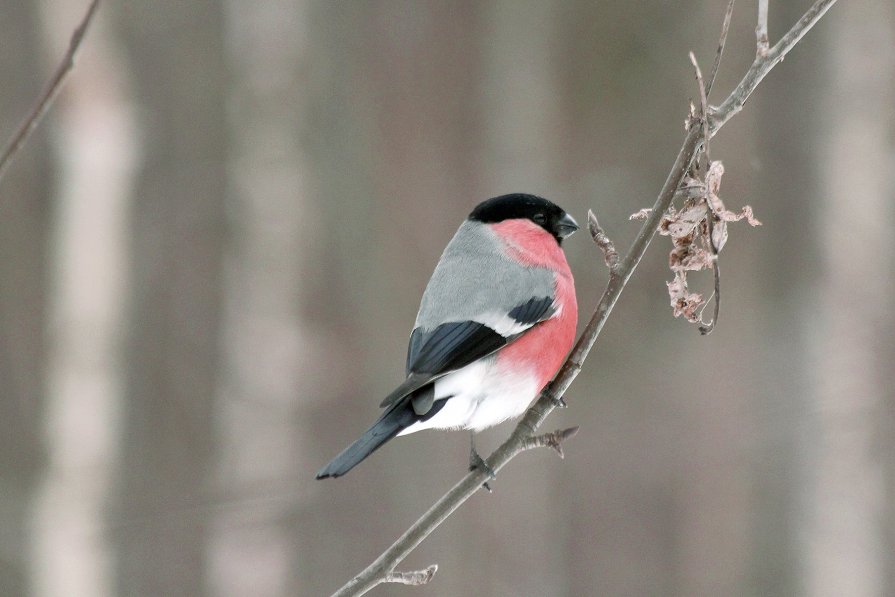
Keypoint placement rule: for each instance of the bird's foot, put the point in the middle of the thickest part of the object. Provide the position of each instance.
(476, 462)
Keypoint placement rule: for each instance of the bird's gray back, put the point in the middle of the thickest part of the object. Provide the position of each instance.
(475, 277)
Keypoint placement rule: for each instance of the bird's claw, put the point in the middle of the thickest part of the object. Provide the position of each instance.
(476, 462)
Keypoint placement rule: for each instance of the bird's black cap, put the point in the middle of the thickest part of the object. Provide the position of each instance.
(542, 212)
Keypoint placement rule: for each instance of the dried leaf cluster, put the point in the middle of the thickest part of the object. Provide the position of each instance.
(690, 229)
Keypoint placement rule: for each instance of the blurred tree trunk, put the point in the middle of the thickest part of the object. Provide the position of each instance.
(94, 138)
(263, 476)
(788, 114)
(392, 144)
(176, 52)
(337, 150)
(847, 506)
(788, 110)
(25, 211)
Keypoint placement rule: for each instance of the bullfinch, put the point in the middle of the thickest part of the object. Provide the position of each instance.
(495, 323)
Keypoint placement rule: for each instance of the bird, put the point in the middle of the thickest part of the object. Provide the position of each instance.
(495, 323)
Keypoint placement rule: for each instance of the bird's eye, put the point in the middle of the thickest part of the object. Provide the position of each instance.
(540, 219)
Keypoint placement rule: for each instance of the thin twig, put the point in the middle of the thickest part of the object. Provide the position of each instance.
(704, 115)
(725, 27)
(49, 93)
(761, 31)
(707, 328)
(378, 571)
(763, 65)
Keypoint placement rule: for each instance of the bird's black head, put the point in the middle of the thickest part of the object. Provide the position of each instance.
(545, 214)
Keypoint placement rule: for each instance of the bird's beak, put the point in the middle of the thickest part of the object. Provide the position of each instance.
(566, 226)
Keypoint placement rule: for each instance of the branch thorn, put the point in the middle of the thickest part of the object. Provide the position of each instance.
(553, 440)
(725, 27)
(414, 578)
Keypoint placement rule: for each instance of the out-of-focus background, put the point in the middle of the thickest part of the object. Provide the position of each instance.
(214, 247)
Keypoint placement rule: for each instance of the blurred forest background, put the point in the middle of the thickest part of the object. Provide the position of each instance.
(214, 247)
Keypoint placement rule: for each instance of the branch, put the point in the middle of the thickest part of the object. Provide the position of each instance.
(522, 436)
(763, 65)
(49, 93)
(707, 328)
(761, 31)
(721, 43)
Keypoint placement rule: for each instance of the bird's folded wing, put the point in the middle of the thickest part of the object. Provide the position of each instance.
(453, 345)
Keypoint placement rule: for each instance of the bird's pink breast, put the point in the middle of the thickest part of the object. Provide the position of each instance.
(542, 349)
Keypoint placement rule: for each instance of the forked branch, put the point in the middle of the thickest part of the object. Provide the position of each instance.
(525, 433)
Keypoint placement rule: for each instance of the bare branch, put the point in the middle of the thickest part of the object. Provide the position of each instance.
(415, 578)
(49, 93)
(703, 119)
(763, 65)
(525, 430)
(761, 31)
(707, 328)
(725, 27)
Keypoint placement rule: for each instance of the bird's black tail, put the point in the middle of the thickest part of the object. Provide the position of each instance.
(393, 420)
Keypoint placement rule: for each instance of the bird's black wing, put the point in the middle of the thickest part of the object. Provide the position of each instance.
(448, 347)
(534, 311)
(455, 344)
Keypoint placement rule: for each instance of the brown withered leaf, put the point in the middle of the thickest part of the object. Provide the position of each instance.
(745, 213)
(719, 235)
(719, 229)
(713, 179)
(683, 302)
(642, 214)
(684, 258)
(688, 228)
(679, 225)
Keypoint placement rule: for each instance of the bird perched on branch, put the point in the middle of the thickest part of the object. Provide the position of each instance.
(495, 323)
